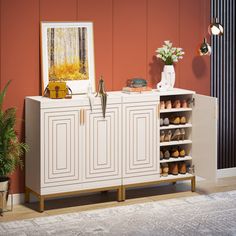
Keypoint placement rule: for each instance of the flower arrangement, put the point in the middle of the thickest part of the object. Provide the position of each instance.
(169, 54)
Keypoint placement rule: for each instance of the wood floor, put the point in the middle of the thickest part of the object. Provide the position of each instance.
(108, 199)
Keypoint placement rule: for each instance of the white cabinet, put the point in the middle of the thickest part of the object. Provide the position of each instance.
(200, 141)
(61, 147)
(140, 122)
(102, 157)
(75, 149)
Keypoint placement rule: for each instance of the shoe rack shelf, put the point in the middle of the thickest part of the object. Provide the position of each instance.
(188, 125)
(175, 110)
(173, 143)
(173, 159)
(180, 164)
(176, 177)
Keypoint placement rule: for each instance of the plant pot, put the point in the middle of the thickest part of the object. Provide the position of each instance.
(4, 187)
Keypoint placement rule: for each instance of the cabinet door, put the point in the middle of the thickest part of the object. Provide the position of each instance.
(140, 142)
(60, 140)
(102, 159)
(205, 137)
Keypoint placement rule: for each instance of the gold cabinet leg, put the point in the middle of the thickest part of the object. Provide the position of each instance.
(41, 203)
(193, 184)
(121, 194)
(27, 195)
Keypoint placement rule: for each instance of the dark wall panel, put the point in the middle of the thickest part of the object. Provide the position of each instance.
(223, 84)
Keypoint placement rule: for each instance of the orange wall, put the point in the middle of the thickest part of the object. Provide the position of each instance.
(126, 35)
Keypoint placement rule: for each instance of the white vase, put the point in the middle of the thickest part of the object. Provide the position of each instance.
(169, 72)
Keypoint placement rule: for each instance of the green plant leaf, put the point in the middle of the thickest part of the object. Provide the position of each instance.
(3, 93)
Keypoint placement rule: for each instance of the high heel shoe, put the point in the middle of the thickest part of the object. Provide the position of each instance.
(162, 105)
(162, 136)
(175, 120)
(176, 135)
(168, 104)
(183, 120)
(182, 134)
(167, 137)
(176, 104)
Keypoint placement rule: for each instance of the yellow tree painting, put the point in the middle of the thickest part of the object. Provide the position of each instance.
(67, 53)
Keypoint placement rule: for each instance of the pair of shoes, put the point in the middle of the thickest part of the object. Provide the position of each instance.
(177, 152)
(164, 169)
(178, 120)
(165, 136)
(165, 104)
(180, 104)
(164, 122)
(178, 134)
(177, 168)
(164, 154)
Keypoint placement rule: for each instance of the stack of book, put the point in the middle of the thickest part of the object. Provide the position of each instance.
(136, 90)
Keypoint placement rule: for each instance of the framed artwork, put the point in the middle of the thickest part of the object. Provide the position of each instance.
(68, 54)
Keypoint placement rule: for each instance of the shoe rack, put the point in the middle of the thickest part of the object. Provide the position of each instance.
(176, 136)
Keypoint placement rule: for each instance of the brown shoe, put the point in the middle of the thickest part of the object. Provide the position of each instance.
(184, 104)
(173, 168)
(175, 120)
(183, 120)
(182, 168)
(174, 153)
(168, 104)
(165, 169)
(176, 104)
(182, 152)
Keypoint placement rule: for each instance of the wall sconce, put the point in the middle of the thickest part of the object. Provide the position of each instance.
(215, 28)
(205, 48)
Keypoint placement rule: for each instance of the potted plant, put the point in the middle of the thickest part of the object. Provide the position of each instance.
(169, 54)
(11, 149)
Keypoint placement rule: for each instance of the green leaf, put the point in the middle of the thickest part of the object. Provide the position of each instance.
(3, 93)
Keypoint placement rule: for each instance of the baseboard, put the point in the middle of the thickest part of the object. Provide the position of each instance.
(228, 172)
(19, 198)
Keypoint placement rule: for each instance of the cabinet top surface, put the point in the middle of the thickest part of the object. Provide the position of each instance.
(113, 97)
(119, 94)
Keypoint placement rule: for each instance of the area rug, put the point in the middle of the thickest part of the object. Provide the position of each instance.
(213, 214)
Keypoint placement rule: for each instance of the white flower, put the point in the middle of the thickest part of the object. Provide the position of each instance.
(169, 54)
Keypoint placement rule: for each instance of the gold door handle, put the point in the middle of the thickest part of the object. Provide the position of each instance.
(82, 116)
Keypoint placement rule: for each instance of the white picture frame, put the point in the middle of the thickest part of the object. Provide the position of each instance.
(67, 54)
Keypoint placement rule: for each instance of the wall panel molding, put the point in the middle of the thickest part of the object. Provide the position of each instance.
(223, 84)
